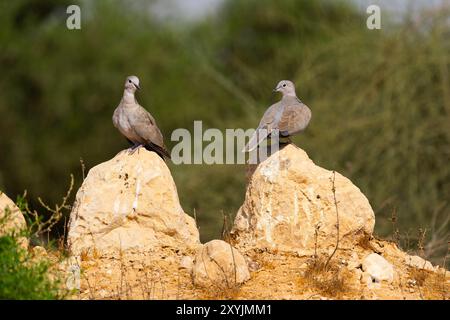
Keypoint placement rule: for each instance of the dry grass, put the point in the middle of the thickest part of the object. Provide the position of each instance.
(419, 275)
(431, 285)
(219, 293)
(327, 277)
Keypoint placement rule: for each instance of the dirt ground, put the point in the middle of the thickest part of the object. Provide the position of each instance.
(274, 275)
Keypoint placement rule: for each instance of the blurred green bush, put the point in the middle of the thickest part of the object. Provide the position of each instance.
(380, 99)
(22, 277)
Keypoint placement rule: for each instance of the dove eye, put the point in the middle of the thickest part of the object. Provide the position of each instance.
(284, 85)
(129, 81)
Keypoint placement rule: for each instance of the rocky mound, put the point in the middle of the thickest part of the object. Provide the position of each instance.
(131, 239)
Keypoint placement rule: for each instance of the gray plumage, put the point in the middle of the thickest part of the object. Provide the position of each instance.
(289, 115)
(137, 124)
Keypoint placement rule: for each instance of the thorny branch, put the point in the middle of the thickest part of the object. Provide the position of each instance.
(56, 213)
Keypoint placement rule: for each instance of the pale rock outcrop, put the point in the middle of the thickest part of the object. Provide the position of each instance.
(290, 200)
(377, 269)
(130, 203)
(217, 264)
(419, 263)
(12, 220)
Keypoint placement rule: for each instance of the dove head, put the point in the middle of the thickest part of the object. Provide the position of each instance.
(132, 83)
(286, 87)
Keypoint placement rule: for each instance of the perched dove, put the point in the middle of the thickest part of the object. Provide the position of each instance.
(136, 123)
(289, 116)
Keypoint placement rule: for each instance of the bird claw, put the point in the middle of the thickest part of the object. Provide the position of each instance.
(133, 149)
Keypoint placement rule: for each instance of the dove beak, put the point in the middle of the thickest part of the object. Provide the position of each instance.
(276, 89)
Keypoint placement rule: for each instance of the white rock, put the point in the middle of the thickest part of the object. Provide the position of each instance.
(419, 263)
(219, 265)
(282, 209)
(378, 268)
(130, 203)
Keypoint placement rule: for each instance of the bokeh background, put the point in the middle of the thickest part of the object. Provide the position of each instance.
(380, 98)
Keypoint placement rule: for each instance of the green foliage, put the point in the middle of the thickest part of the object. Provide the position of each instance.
(21, 277)
(380, 99)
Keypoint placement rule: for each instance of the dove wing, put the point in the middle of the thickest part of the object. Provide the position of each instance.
(145, 127)
(294, 119)
(266, 125)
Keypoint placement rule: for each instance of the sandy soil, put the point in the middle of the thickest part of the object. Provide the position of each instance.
(274, 275)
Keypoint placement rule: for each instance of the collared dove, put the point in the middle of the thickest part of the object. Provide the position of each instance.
(289, 116)
(136, 123)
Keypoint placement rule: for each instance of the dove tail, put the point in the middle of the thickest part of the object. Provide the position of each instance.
(256, 139)
(161, 151)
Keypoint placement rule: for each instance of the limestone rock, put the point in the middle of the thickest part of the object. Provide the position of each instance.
(186, 262)
(378, 268)
(419, 263)
(130, 202)
(218, 264)
(289, 198)
(12, 220)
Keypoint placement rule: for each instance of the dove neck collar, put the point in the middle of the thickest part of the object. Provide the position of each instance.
(289, 95)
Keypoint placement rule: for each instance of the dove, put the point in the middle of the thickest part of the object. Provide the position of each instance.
(137, 124)
(289, 116)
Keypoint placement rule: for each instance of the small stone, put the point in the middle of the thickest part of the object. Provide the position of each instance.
(366, 278)
(411, 282)
(186, 262)
(378, 268)
(253, 266)
(220, 265)
(419, 263)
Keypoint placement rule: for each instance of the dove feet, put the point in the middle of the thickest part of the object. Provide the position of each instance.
(133, 149)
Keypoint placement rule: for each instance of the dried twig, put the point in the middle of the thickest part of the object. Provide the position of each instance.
(337, 219)
(83, 168)
(38, 226)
